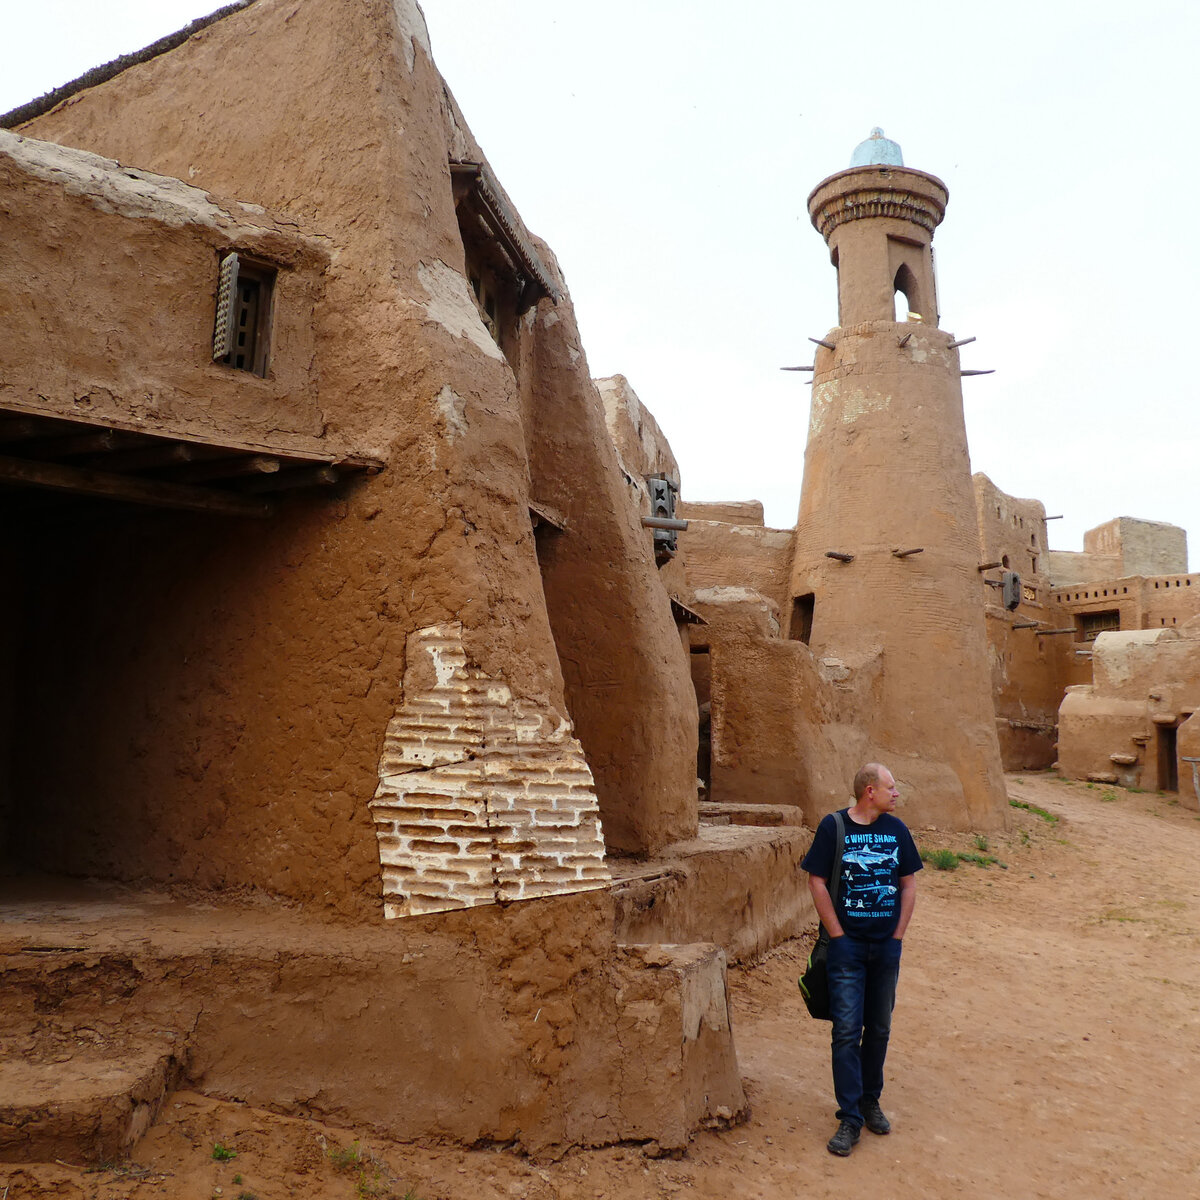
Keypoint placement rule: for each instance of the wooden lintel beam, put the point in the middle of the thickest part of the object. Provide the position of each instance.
(1054, 632)
(18, 429)
(321, 475)
(840, 555)
(143, 458)
(908, 553)
(229, 468)
(988, 566)
(85, 482)
(76, 444)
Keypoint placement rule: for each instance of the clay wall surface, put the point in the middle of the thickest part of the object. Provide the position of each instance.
(1124, 546)
(1072, 567)
(1145, 547)
(1012, 532)
(731, 512)
(506, 1023)
(746, 558)
(777, 735)
(109, 301)
(628, 680)
(887, 469)
(1141, 602)
(1027, 670)
(409, 373)
(1122, 728)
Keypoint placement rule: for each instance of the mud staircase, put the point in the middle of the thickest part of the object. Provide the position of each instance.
(83, 1069)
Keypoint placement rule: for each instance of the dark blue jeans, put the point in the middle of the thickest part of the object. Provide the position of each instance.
(862, 994)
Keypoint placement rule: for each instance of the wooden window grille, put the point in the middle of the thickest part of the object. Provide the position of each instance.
(1092, 625)
(241, 334)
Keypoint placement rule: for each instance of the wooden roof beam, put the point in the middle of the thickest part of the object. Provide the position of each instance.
(83, 481)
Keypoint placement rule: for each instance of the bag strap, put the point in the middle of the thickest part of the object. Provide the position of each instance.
(835, 876)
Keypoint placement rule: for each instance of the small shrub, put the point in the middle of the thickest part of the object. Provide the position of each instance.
(1051, 818)
(942, 860)
(246, 1196)
(346, 1157)
(1108, 795)
(981, 842)
(224, 1153)
(237, 1179)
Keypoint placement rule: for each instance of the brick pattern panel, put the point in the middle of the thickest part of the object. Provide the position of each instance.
(482, 797)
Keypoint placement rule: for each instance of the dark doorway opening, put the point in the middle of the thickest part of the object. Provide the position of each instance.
(800, 629)
(1168, 761)
(702, 682)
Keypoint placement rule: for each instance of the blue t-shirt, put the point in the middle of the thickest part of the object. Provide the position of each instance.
(874, 858)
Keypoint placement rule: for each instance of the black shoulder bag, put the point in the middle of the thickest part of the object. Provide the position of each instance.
(814, 983)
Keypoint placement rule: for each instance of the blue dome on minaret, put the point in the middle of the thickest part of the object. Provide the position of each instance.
(877, 151)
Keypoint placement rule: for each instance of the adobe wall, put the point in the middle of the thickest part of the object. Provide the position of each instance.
(509, 1023)
(1144, 547)
(1028, 671)
(1147, 684)
(109, 304)
(310, 664)
(1124, 546)
(749, 557)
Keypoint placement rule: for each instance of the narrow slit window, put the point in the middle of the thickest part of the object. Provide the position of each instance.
(241, 334)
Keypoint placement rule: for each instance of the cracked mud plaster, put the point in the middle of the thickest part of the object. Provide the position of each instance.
(856, 404)
(452, 408)
(411, 24)
(112, 188)
(482, 797)
(450, 306)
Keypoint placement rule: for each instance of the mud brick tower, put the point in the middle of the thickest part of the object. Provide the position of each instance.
(885, 576)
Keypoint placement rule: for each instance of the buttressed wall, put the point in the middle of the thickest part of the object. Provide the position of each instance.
(472, 425)
(886, 470)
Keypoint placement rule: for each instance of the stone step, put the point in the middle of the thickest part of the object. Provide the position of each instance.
(85, 1108)
(713, 812)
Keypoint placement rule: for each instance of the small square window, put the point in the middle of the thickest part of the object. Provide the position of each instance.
(241, 336)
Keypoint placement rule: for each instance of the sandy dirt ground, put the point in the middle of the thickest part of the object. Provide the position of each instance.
(1046, 1044)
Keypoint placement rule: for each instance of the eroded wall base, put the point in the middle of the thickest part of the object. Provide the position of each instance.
(521, 1023)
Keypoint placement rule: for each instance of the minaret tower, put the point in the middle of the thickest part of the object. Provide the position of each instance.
(885, 575)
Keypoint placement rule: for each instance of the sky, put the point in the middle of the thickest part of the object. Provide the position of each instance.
(665, 149)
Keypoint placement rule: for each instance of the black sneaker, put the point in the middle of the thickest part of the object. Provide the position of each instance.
(873, 1116)
(844, 1140)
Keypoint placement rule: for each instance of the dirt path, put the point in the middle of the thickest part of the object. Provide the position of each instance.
(1046, 1044)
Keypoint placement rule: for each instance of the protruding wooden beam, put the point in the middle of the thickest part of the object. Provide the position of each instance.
(960, 342)
(823, 342)
(1026, 624)
(797, 368)
(1057, 517)
(671, 523)
(905, 339)
(82, 481)
(989, 371)
(1055, 632)
(840, 555)
(988, 566)
(908, 553)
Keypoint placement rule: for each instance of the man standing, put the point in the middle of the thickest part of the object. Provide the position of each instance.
(876, 894)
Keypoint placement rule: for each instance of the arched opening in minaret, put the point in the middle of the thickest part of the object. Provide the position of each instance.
(905, 297)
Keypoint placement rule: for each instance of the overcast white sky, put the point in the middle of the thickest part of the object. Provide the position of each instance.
(665, 150)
